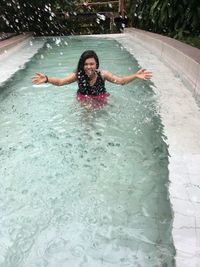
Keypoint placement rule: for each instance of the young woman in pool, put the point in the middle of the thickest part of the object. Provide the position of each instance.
(91, 80)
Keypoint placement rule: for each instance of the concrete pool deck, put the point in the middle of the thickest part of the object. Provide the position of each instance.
(12, 41)
(176, 69)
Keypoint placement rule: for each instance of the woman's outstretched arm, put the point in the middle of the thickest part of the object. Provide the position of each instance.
(42, 78)
(141, 74)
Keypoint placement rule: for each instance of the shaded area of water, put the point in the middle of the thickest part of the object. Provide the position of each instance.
(79, 187)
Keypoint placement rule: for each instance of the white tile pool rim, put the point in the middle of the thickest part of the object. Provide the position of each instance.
(181, 119)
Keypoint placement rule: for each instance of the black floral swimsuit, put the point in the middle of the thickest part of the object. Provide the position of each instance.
(98, 88)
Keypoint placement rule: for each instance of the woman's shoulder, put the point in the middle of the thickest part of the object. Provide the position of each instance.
(105, 74)
(102, 73)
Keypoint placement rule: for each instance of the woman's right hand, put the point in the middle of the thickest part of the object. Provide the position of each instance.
(39, 78)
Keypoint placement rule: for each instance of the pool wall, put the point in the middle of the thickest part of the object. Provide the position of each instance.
(176, 77)
(183, 58)
(15, 52)
(9, 43)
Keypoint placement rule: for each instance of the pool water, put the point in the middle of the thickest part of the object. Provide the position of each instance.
(82, 187)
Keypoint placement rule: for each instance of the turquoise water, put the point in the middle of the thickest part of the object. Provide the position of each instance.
(78, 187)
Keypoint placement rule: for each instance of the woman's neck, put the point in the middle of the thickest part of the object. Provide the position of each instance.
(92, 78)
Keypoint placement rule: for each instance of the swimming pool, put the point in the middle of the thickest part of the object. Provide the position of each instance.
(79, 187)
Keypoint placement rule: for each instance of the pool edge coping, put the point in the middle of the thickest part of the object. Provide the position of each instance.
(183, 58)
(9, 54)
(13, 41)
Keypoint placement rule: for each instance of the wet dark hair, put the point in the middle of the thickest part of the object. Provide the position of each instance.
(87, 54)
(83, 79)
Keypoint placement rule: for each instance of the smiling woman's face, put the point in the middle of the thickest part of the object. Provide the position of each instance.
(90, 66)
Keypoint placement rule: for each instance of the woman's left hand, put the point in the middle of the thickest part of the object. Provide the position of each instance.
(144, 74)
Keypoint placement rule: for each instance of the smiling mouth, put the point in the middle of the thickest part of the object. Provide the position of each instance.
(89, 72)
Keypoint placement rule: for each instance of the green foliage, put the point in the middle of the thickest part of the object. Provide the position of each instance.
(177, 18)
(193, 41)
